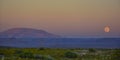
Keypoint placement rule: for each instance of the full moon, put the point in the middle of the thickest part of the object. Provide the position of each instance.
(107, 29)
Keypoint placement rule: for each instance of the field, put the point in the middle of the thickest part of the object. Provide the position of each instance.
(58, 54)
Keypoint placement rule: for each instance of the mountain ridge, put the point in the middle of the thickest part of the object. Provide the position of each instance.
(27, 33)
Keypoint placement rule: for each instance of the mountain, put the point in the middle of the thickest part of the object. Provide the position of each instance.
(26, 33)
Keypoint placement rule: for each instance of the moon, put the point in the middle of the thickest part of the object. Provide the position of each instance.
(107, 29)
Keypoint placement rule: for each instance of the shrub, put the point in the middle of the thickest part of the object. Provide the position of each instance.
(48, 58)
(41, 48)
(26, 55)
(92, 50)
(71, 55)
(116, 55)
(18, 52)
(1, 53)
(43, 57)
(38, 57)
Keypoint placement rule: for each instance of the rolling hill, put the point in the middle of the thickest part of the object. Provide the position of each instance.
(26, 33)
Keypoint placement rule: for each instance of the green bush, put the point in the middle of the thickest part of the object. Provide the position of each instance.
(18, 52)
(27, 55)
(42, 48)
(92, 50)
(48, 58)
(38, 57)
(116, 55)
(43, 57)
(71, 55)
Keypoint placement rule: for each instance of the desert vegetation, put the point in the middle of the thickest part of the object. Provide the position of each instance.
(58, 54)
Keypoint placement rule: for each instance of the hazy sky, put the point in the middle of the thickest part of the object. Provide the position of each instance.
(62, 17)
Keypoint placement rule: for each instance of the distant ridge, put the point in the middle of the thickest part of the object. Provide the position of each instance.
(26, 33)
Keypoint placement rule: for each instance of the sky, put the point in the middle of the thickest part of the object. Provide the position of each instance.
(62, 17)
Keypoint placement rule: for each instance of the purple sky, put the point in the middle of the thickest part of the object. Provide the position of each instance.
(62, 17)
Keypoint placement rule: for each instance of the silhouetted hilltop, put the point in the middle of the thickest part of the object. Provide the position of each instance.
(26, 33)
